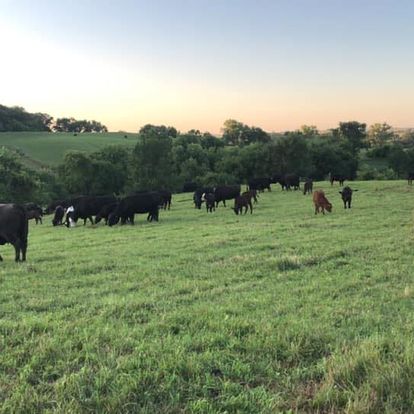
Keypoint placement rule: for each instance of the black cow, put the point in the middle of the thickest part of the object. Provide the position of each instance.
(243, 201)
(189, 187)
(166, 199)
(136, 204)
(289, 180)
(226, 192)
(14, 228)
(104, 212)
(198, 195)
(346, 194)
(210, 200)
(59, 214)
(260, 184)
(88, 206)
(276, 178)
(34, 211)
(337, 177)
(308, 186)
(410, 178)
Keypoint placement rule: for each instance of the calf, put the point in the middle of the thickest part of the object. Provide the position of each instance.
(346, 195)
(210, 200)
(242, 201)
(308, 187)
(321, 202)
(252, 194)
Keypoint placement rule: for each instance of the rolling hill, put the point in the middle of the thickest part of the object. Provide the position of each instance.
(45, 149)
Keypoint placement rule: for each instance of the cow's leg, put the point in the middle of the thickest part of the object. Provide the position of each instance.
(17, 248)
(224, 203)
(24, 249)
(40, 219)
(349, 204)
(1, 259)
(251, 207)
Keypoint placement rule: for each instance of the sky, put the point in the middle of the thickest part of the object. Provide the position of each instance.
(192, 64)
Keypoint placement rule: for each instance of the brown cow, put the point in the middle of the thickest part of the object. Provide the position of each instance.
(242, 201)
(321, 202)
(251, 194)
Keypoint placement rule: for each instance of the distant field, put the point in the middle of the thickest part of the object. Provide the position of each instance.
(48, 149)
(279, 311)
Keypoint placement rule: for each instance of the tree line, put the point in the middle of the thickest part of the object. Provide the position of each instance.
(16, 119)
(164, 158)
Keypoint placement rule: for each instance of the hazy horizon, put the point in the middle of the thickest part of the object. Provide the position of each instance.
(193, 64)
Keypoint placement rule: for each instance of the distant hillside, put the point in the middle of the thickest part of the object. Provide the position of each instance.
(43, 149)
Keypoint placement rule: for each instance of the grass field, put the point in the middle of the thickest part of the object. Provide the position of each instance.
(279, 311)
(48, 149)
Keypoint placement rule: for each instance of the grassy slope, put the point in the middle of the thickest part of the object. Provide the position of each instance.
(277, 311)
(42, 148)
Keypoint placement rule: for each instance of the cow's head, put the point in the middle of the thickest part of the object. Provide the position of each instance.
(328, 207)
(113, 219)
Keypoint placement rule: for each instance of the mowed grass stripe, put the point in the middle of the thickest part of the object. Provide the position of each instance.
(280, 310)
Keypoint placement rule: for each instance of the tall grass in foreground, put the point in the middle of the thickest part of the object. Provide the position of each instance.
(279, 311)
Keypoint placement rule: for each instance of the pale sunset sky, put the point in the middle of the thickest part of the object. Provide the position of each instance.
(275, 64)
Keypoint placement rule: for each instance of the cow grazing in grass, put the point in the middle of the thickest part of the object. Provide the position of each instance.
(260, 184)
(226, 192)
(88, 206)
(104, 212)
(321, 202)
(410, 178)
(198, 195)
(346, 195)
(166, 197)
(58, 217)
(14, 228)
(288, 181)
(308, 187)
(243, 201)
(337, 177)
(34, 211)
(251, 194)
(210, 201)
(148, 202)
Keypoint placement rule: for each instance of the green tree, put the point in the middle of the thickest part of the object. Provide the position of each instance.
(380, 134)
(353, 133)
(237, 134)
(152, 161)
(17, 183)
(76, 172)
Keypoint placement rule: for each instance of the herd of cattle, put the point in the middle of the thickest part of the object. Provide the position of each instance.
(14, 218)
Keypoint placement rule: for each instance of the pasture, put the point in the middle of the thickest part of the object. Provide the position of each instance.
(279, 311)
(38, 149)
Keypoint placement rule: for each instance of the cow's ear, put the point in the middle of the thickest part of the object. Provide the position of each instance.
(340, 192)
(354, 190)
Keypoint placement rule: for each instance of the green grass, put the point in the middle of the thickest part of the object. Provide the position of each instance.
(279, 311)
(48, 149)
